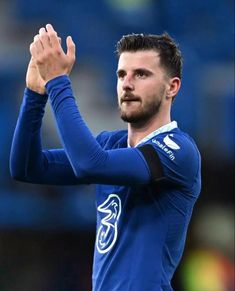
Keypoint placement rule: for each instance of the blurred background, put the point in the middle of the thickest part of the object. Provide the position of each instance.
(47, 232)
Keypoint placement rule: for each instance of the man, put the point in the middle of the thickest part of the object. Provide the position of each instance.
(148, 177)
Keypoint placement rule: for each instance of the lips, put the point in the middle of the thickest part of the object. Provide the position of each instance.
(129, 98)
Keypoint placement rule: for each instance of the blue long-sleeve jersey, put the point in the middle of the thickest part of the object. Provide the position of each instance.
(145, 195)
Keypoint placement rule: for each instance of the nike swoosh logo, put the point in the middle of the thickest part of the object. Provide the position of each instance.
(170, 143)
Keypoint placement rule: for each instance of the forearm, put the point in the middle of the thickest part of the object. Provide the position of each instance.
(121, 166)
(26, 140)
(28, 162)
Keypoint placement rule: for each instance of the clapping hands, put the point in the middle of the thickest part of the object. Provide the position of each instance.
(48, 60)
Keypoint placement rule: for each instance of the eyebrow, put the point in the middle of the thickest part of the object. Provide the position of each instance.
(147, 71)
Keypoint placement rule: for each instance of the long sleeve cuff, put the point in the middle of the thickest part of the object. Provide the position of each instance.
(32, 109)
(58, 89)
(35, 97)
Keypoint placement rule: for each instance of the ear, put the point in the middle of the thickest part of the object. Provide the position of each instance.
(173, 87)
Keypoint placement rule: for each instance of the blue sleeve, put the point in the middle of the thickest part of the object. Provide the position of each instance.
(125, 166)
(180, 158)
(28, 162)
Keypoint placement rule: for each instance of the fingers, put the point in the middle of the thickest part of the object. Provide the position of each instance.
(33, 50)
(52, 34)
(38, 43)
(44, 38)
(71, 48)
(47, 44)
(47, 39)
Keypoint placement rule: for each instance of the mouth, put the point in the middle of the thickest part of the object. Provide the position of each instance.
(129, 98)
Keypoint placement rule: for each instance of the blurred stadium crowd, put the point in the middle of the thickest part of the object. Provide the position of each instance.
(47, 232)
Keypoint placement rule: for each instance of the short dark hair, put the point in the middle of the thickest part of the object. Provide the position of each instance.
(169, 53)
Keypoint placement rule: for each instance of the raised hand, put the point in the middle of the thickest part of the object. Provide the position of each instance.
(33, 78)
(49, 56)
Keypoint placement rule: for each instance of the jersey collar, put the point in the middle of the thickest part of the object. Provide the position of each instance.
(165, 128)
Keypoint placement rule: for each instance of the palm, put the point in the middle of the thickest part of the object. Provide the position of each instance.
(33, 78)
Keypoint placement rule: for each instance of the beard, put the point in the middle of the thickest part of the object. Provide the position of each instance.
(144, 111)
(142, 114)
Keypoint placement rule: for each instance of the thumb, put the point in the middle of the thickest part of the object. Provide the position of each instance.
(71, 48)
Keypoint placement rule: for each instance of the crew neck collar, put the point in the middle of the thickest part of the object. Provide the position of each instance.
(165, 128)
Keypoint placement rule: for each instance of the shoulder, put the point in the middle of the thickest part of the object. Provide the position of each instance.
(179, 156)
(175, 144)
(112, 139)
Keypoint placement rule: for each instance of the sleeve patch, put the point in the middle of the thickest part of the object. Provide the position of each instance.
(153, 162)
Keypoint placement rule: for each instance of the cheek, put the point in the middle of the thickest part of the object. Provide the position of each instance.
(119, 91)
(157, 90)
(119, 86)
(146, 87)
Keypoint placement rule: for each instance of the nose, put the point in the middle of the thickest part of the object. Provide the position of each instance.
(127, 84)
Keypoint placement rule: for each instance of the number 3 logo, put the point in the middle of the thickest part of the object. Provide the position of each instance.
(107, 232)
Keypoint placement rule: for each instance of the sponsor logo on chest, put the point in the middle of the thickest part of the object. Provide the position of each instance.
(107, 233)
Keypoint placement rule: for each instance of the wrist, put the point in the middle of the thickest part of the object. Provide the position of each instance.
(59, 86)
(33, 93)
(57, 82)
(38, 90)
(54, 77)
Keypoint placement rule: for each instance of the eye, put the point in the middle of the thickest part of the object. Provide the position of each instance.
(141, 74)
(120, 74)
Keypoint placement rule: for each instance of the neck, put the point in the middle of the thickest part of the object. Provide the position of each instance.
(137, 131)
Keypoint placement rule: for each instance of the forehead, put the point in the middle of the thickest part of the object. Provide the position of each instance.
(148, 59)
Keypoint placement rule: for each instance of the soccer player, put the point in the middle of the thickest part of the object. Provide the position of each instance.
(148, 176)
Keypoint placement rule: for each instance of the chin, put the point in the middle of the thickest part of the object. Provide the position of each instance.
(139, 117)
(133, 118)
